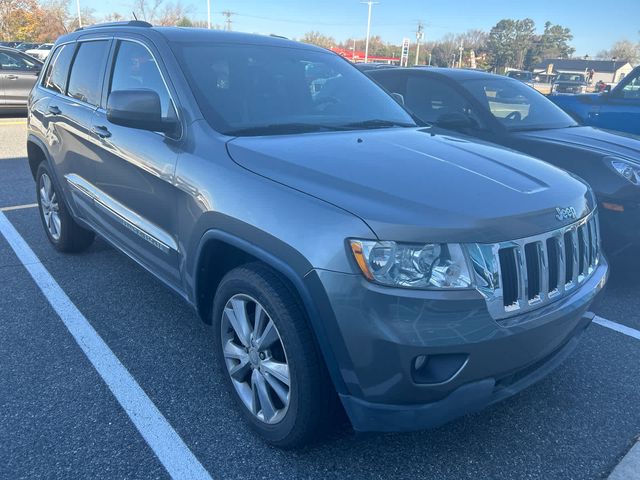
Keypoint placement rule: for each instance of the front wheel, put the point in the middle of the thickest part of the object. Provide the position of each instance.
(61, 229)
(269, 358)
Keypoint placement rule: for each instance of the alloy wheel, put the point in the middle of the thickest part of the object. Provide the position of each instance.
(255, 358)
(49, 207)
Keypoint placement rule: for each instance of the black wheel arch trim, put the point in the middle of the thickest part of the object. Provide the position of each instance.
(31, 138)
(309, 288)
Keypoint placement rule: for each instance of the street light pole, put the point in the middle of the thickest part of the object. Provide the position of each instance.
(209, 14)
(614, 69)
(419, 35)
(366, 48)
(461, 50)
(79, 16)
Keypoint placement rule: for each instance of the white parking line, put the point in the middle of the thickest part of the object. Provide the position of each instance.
(18, 207)
(165, 442)
(631, 332)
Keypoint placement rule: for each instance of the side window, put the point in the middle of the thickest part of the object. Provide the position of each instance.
(85, 81)
(55, 77)
(135, 68)
(14, 61)
(632, 89)
(432, 100)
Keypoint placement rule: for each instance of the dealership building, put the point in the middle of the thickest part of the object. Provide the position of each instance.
(609, 71)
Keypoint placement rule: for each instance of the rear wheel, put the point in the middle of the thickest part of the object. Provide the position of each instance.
(63, 232)
(269, 358)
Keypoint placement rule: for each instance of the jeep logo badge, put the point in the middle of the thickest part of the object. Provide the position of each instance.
(566, 213)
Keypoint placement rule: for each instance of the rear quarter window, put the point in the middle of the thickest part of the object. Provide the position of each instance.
(55, 78)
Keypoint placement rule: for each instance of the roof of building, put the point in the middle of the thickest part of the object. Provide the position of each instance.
(580, 64)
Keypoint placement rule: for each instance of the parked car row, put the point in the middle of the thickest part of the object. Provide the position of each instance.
(18, 74)
(383, 254)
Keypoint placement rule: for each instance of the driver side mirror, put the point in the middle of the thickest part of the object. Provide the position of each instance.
(140, 108)
(456, 121)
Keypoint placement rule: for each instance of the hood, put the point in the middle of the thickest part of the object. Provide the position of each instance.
(594, 140)
(415, 186)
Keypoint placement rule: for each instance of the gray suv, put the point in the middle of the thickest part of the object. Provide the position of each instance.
(346, 257)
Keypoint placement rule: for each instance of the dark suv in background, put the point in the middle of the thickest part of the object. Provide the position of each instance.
(339, 250)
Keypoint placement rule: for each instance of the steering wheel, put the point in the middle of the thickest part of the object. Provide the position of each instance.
(514, 116)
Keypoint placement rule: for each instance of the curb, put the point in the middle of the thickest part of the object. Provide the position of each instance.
(629, 466)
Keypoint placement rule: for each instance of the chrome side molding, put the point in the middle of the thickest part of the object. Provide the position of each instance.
(146, 230)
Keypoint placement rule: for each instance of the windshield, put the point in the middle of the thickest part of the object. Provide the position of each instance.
(267, 90)
(516, 105)
(524, 76)
(569, 77)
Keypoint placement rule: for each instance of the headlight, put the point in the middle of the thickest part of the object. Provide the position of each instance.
(434, 265)
(629, 170)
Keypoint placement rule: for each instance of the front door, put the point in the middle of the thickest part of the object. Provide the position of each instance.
(134, 176)
(620, 109)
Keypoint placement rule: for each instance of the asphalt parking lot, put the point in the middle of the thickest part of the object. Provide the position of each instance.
(59, 419)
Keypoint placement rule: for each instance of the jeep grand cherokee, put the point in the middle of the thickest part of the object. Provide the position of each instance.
(340, 251)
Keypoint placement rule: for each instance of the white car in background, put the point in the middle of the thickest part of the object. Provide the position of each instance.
(40, 52)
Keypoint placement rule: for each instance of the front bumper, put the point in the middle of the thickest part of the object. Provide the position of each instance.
(381, 332)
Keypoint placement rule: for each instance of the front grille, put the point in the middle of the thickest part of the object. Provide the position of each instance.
(520, 275)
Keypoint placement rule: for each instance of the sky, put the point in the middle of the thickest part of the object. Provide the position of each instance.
(595, 24)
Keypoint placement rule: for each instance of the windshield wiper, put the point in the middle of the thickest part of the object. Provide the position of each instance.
(283, 129)
(377, 123)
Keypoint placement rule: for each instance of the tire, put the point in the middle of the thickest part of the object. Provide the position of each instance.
(61, 229)
(311, 398)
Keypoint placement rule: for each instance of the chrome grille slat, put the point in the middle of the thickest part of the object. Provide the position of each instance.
(543, 256)
(575, 251)
(515, 286)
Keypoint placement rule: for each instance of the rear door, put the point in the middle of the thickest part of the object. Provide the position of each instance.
(134, 171)
(69, 114)
(18, 75)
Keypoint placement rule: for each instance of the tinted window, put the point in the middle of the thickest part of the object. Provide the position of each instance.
(14, 61)
(433, 100)
(56, 75)
(523, 76)
(516, 105)
(136, 68)
(85, 81)
(569, 77)
(267, 90)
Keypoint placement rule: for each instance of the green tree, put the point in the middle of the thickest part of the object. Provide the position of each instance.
(509, 41)
(553, 43)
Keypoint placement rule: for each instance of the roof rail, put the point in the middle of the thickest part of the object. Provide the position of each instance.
(127, 23)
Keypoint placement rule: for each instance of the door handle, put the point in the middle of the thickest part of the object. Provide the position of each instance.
(102, 132)
(54, 110)
(11, 77)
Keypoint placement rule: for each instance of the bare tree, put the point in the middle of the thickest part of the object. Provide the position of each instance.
(317, 38)
(622, 50)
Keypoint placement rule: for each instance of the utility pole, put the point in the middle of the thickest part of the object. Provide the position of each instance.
(209, 14)
(461, 48)
(353, 51)
(429, 59)
(366, 48)
(79, 16)
(419, 36)
(228, 22)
